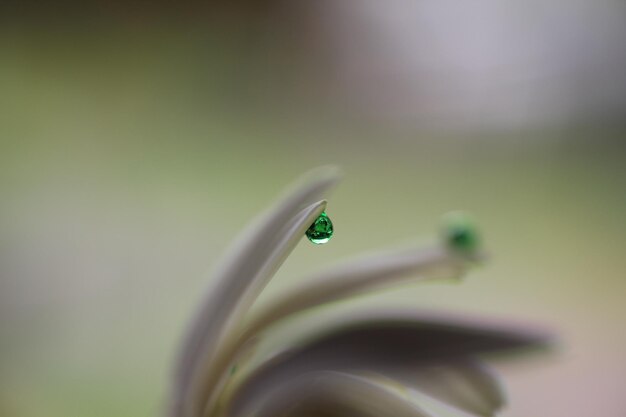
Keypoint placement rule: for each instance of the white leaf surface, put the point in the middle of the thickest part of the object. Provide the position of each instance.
(334, 394)
(466, 384)
(363, 274)
(393, 344)
(253, 260)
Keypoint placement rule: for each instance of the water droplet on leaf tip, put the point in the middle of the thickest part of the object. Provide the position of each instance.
(321, 230)
(460, 232)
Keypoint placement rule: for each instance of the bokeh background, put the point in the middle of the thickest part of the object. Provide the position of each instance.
(137, 139)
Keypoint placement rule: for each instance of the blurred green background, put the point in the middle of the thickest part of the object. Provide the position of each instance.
(135, 145)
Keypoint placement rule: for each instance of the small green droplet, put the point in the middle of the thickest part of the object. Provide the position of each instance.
(460, 233)
(321, 230)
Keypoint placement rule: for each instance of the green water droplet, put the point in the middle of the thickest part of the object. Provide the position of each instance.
(321, 230)
(460, 232)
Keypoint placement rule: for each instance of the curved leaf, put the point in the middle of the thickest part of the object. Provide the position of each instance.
(332, 394)
(363, 274)
(466, 384)
(253, 260)
(390, 344)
